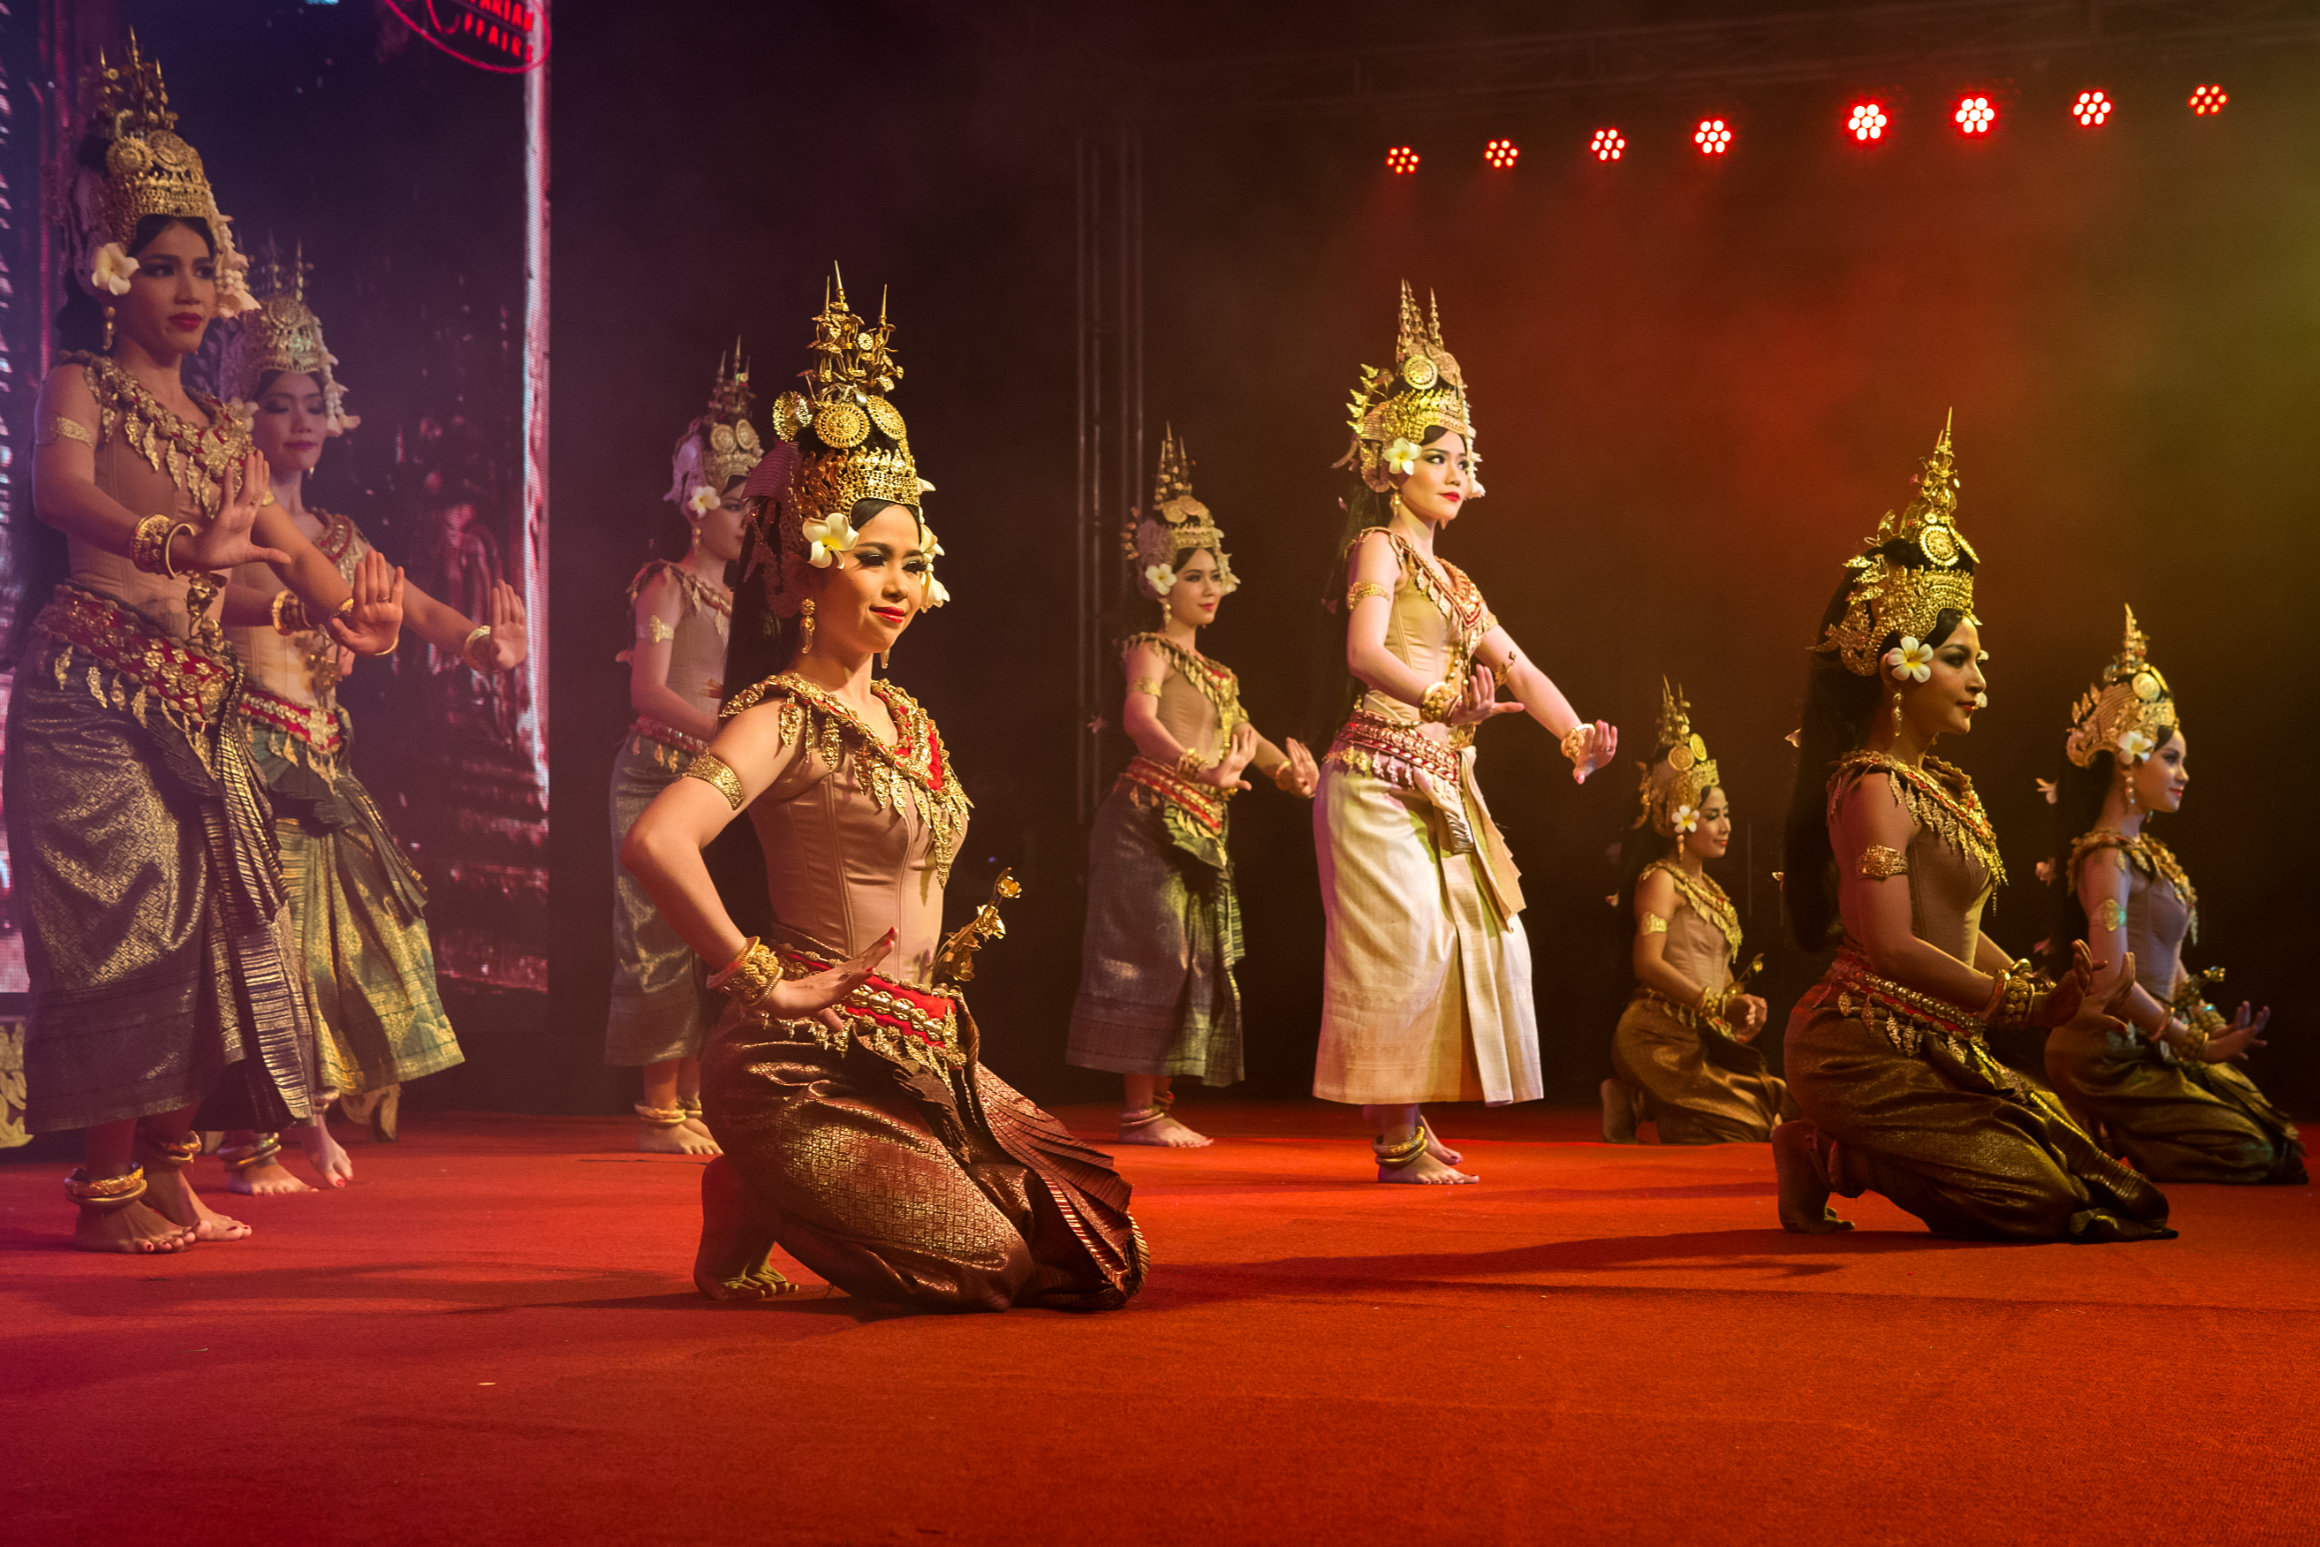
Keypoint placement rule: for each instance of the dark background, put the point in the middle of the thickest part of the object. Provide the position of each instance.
(1697, 385)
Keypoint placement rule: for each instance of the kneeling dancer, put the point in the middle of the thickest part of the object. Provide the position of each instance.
(1891, 857)
(861, 1133)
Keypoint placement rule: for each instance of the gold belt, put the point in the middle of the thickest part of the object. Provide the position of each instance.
(667, 735)
(189, 681)
(1367, 739)
(1204, 803)
(312, 724)
(1905, 1016)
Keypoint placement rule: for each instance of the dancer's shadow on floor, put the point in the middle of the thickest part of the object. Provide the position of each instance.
(1689, 1256)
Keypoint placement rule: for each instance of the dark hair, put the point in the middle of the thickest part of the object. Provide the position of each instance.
(1365, 509)
(2079, 794)
(39, 558)
(762, 643)
(1837, 706)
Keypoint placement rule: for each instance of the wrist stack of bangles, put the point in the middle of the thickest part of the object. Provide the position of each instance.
(290, 613)
(1435, 707)
(149, 549)
(749, 977)
(1578, 742)
(2014, 995)
(1190, 763)
(1716, 1003)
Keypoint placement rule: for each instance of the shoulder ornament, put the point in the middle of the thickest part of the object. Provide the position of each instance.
(1938, 798)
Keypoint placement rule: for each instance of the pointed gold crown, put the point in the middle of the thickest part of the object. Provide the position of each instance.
(864, 447)
(1889, 598)
(1683, 773)
(282, 333)
(2129, 710)
(722, 444)
(1176, 522)
(1424, 388)
(149, 169)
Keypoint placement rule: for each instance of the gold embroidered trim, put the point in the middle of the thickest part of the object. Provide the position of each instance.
(713, 771)
(1879, 863)
(1939, 798)
(1214, 679)
(2149, 856)
(1705, 898)
(915, 771)
(195, 458)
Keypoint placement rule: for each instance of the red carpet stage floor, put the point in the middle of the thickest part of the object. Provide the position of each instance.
(491, 1338)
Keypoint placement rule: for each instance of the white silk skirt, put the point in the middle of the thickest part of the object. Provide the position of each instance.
(1426, 986)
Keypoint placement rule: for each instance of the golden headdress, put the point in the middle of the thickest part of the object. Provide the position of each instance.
(1889, 598)
(281, 333)
(722, 444)
(148, 169)
(1683, 773)
(1424, 388)
(837, 443)
(1176, 523)
(2128, 712)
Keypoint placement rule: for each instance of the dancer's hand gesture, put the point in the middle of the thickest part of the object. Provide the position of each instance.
(376, 620)
(2246, 1032)
(511, 637)
(1304, 776)
(225, 541)
(1226, 772)
(1753, 1012)
(1480, 700)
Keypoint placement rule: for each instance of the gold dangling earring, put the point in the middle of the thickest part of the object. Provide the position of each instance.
(1896, 714)
(108, 330)
(806, 627)
(886, 659)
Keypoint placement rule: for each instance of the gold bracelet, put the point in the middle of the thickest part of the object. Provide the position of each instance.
(2016, 995)
(749, 977)
(715, 772)
(1577, 742)
(1714, 1002)
(2195, 1042)
(290, 614)
(478, 635)
(1435, 707)
(1285, 778)
(149, 548)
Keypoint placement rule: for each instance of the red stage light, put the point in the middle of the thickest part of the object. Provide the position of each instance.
(2092, 108)
(1501, 153)
(1868, 121)
(1975, 115)
(1401, 161)
(1608, 145)
(2207, 101)
(1713, 137)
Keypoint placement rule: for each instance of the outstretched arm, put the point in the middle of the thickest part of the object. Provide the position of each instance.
(1545, 703)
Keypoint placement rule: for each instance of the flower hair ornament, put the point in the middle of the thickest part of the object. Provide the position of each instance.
(1885, 598)
(1677, 780)
(838, 442)
(2128, 712)
(280, 333)
(1393, 407)
(1176, 523)
(719, 446)
(148, 169)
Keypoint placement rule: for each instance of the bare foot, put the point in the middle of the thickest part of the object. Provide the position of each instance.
(674, 1139)
(265, 1178)
(1426, 1171)
(1440, 1151)
(1155, 1127)
(699, 1128)
(328, 1157)
(1804, 1191)
(169, 1194)
(134, 1228)
(733, 1263)
(1618, 1114)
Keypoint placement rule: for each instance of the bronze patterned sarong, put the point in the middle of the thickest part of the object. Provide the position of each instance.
(2176, 1120)
(164, 971)
(356, 901)
(1699, 1085)
(1156, 990)
(1905, 1107)
(917, 1182)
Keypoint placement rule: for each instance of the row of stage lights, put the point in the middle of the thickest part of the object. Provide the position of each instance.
(1866, 122)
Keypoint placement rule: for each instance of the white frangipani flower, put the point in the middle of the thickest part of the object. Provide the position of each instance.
(1684, 819)
(1402, 456)
(827, 539)
(1160, 578)
(702, 500)
(114, 269)
(2135, 745)
(1910, 661)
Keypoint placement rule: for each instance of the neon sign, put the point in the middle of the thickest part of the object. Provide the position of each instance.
(508, 36)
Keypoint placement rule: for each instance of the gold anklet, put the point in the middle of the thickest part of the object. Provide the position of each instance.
(106, 1192)
(1395, 1156)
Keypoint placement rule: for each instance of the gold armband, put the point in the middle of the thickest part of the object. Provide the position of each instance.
(656, 630)
(1879, 863)
(713, 771)
(1435, 707)
(475, 649)
(1364, 588)
(749, 977)
(2112, 914)
(1652, 924)
(56, 427)
(1149, 685)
